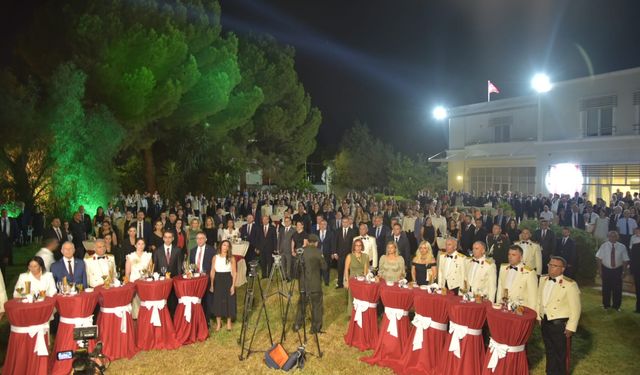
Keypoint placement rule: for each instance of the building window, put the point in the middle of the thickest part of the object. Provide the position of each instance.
(598, 115)
(601, 181)
(501, 128)
(516, 179)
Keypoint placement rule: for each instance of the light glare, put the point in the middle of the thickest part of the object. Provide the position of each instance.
(541, 83)
(440, 113)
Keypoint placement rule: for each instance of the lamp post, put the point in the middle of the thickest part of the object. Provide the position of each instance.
(541, 83)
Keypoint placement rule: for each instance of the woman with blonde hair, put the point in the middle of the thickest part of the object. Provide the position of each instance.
(356, 264)
(391, 265)
(423, 268)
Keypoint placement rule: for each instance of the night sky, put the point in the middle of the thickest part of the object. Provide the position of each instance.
(387, 63)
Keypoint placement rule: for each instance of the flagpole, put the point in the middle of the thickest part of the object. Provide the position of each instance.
(488, 92)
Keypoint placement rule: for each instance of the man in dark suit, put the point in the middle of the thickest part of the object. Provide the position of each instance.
(326, 244)
(479, 234)
(255, 211)
(79, 233)
(315, 228)
(615, 216)
(169, 258)
(88, 223)
(498, 245)
(302, 216)
(575, 219)
(487, 222)
(499, 219)
(388, 215)
(311, 282)
(344, 239)
(401, 240)
(566, 248)
(143, 227)
(69, 266)
(8, 235)
(219, 218)
(202, 255)
(286, 231)
(381, 233)
(232, 215)
(547, 240)
(468, 235)
(249, 232)
(266, 245)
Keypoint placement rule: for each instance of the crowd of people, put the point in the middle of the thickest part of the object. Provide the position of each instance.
(461, 241)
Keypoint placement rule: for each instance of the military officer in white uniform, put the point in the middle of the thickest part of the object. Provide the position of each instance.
(532, 251)
(481, 272)
(518, 280)
(370, 247)
(452, 267)
(558, 312)
(100, 264)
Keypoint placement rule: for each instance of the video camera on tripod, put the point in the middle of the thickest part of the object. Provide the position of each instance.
(85, 362)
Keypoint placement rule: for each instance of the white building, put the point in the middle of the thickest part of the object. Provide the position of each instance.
(593, 123)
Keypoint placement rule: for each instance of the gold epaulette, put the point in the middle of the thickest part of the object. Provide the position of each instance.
(528, 268)
(488, 261)
(568, 279)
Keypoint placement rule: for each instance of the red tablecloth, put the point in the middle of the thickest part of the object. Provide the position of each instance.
(363, 336)
(21, 357)
(116, 343)
(425, 358)
(152, 333)
(80, 309)
(471, 347)
(189, 320)
(389, 347)
(512, 330)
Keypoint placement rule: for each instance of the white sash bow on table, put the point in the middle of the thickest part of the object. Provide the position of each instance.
(121, 312)
(394, 315)
(458, 332)
(187, 301)
(499, 351)
(421, 323)
(155, 307)
(78, 322)
(360, 307)
(39, 330)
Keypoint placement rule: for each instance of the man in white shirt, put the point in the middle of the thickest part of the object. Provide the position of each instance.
(612, 260)
(626, 225)
(517, 280)
(532, 252)
(452, 267)
(99, 264)
(370, 247)
(558, 313)
(481, 272)
(547, 214)
(46, 253)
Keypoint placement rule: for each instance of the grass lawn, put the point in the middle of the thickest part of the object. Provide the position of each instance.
(604, 344)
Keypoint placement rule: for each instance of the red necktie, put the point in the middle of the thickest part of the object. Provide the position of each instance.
(613, 256)
(200, 259)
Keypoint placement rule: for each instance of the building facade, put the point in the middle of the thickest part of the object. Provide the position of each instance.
(584, 135)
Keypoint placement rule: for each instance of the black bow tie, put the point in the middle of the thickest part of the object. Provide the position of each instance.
(552, 279)
(475, 261)
(365, 238)
(102, 257)
(525, 242)
(513, 267)
(449, 256)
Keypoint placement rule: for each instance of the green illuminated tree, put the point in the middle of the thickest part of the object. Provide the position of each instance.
(156, 65)
(84, 142)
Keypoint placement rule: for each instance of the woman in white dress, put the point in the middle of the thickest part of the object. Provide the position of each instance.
(228, 233)
(137, 262)
(602, 226)
(39, 280)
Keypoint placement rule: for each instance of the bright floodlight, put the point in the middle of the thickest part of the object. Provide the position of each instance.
(541, 83)
(440, 113)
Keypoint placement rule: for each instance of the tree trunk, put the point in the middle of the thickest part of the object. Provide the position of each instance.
(22, 187)
(149, 169)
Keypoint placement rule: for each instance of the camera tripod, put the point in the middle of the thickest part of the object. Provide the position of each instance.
(299, 279)
(246, 314)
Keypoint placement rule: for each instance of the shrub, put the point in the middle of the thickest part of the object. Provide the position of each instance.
(586, 247)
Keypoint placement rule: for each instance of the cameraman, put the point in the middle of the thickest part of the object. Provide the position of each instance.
(311, 283)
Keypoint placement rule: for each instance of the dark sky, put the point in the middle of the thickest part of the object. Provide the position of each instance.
(387, 63)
